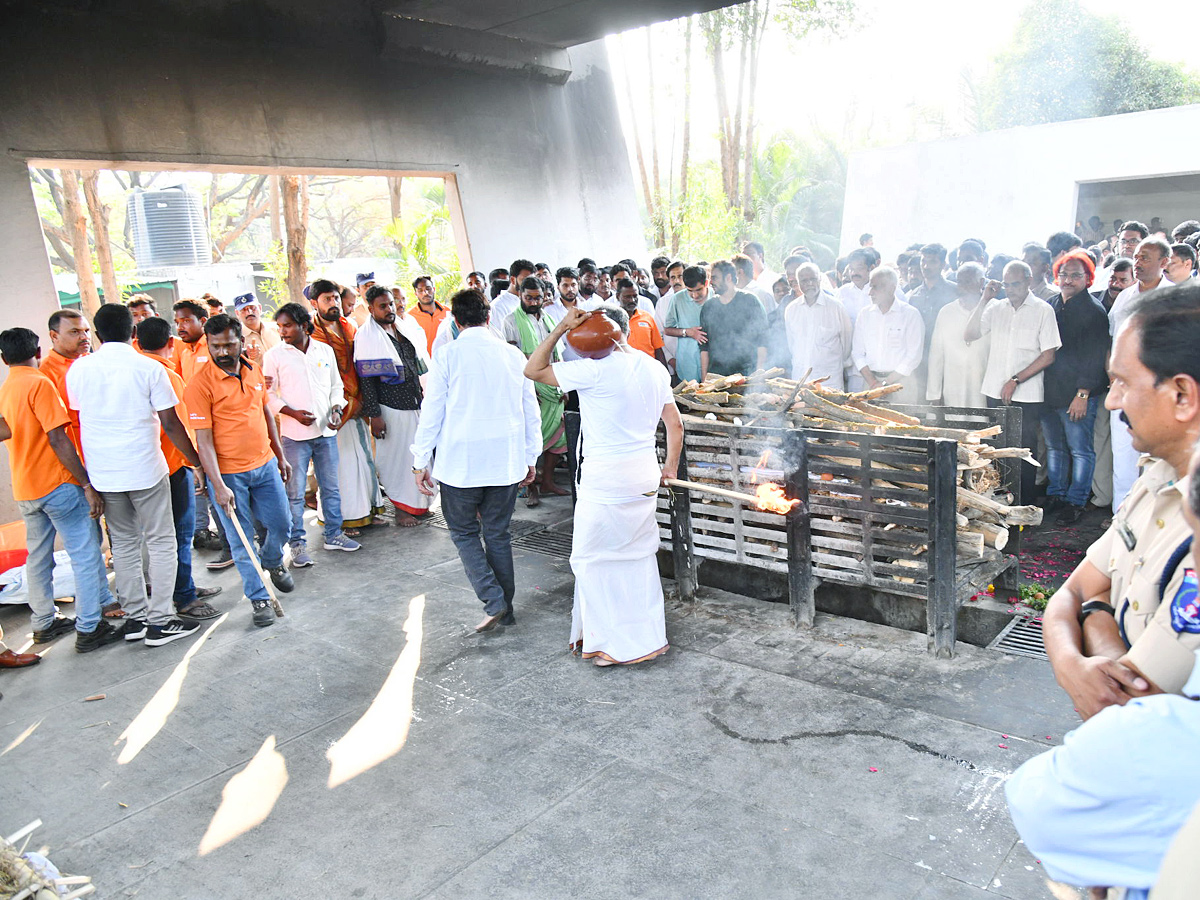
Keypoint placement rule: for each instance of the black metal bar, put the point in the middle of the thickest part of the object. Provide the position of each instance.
(868, 507)
(942, 603)
(683, 551)
(802, 583)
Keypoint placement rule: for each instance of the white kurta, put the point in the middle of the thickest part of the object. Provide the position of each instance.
(956, 368)
(358, 482)
(819, 336)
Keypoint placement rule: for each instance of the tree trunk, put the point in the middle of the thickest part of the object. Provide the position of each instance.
(637, 141)
(99, 213)
(294, 196)
(75, 221)
(687, 130)
(758, 30)
(395, 185)
(276, 236)
(711, 23)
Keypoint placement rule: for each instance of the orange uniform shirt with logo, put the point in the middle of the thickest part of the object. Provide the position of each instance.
(643, 333)
(32, 408)
(175, 459)
(189, 358)
(232, 407)
(54, 366)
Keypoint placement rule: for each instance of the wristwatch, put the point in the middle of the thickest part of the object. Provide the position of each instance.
(1015, 379)
(417, 471)
(1082, 395)
(1093, 606)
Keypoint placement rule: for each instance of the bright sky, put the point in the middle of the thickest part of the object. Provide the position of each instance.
(892, 81)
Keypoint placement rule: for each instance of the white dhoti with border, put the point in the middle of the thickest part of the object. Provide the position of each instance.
(358, 483)
(394, 460)
(618, 612)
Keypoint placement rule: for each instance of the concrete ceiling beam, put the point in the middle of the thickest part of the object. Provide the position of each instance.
(413, 40)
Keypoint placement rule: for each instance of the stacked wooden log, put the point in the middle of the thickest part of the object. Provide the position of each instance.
(984, 514)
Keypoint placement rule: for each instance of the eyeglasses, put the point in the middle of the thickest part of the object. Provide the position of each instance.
(1072, 276)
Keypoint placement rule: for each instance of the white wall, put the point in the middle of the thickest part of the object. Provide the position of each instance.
(1008, 187)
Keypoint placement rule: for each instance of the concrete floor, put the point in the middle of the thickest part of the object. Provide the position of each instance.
(739, 765)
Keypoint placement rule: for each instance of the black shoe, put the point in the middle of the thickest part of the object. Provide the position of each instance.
(104, 634)
(1070, 514)
(282, 578)
(207, 540)
(60, 626)
(133, 629)
(223, 561)
(1050, 504)
(264, 613)
(157, 635)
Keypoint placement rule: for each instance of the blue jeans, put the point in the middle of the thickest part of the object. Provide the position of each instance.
(64, 511)
(258, 495)
(183, 511)
(323, 452)
(487, 510)
(1070, 456)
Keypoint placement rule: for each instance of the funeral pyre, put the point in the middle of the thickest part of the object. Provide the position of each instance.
(985, 513)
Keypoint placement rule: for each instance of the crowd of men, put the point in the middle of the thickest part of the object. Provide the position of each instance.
(217, 433)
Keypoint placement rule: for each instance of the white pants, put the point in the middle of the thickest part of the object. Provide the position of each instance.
(1124, 460)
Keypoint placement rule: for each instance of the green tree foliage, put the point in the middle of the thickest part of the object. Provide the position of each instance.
(424, 243)
(1067, 63)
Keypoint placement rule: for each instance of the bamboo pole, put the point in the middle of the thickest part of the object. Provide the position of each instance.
(275, 604)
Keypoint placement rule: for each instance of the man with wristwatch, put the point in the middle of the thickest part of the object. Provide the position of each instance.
(1127, 621)
(1021, 336)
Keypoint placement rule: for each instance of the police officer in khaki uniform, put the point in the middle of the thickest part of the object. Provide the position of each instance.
(1125, 622)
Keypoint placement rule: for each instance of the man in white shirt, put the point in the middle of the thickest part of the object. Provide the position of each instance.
(487, 443)
(819, 332)
(763, 277)
(507, 301)
(307, 395)
(122, 398)
(1149, 268)
(744, 267)
(956, 366)
(889, 338)
(1181, 267)
(1022, 335)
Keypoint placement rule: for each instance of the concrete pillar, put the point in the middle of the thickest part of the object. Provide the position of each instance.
(30, 296)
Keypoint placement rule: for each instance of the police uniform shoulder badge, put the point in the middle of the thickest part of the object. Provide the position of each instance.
(1185, 608)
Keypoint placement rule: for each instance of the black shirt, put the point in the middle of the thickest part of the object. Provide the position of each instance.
(1079, 364)
(405, 395)
(735, 330)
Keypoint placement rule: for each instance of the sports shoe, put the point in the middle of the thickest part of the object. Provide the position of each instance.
(104, 634)
(60, 626)
(264, 614)
(157, 635)
(282, 578)
(341, 542)
(207, 539)
(300, 557)
(133, 629)
(223, 561)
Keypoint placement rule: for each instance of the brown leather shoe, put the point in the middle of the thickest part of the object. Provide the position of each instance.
(11, 660)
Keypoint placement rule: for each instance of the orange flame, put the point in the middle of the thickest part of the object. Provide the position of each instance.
(771, 498)
(761, 464)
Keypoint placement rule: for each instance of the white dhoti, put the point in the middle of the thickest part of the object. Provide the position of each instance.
(1124, 459)
(618, 612)
(394, 460)
(358, 483)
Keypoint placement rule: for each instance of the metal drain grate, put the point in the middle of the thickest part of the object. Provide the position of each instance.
(518, 528)
(1021, 637)
(551, 543)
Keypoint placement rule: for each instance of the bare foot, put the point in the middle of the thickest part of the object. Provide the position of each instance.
(489, 622)
(404, 520)
(554, 489)
(602, 662)
(533, 500)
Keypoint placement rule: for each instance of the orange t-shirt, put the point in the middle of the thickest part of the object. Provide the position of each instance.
(190, 357)
(429, 321)
(175, 459)
(232, 407)
(32, 408)
(643, 333)
(54, 366)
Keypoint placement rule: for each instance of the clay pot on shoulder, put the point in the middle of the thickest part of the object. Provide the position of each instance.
(595, 337)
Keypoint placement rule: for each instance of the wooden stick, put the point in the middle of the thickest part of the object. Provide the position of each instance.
(709, 489)
(1011, 515)
(257, 566)
(994, 535)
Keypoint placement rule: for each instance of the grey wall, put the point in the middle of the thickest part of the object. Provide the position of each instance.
(542, 168)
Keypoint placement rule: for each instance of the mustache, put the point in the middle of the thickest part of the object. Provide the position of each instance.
(1125, 419)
